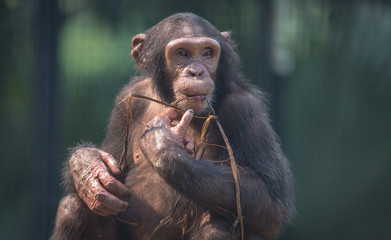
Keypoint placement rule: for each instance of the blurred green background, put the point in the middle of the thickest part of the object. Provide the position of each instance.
(326, 65)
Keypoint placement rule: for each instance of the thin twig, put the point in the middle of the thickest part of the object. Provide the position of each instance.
(126, 222)
(234, 172)
(122, 161)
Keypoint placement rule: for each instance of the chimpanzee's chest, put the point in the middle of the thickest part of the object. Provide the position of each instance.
(155, 207)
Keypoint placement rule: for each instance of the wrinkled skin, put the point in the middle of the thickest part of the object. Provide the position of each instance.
(95, 185)
(194, 61)
(165, 132)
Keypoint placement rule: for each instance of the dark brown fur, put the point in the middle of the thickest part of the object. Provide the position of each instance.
(194, 196)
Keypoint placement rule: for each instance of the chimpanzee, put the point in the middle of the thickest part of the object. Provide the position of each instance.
(169, 189)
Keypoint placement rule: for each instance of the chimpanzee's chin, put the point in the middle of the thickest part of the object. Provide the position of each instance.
(199, 108)
(202, 112)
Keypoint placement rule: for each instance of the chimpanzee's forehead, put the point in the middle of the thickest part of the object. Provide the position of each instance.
(183, 28)
(192, 31)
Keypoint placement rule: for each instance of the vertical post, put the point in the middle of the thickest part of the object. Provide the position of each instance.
(45, 118)
(266, 41)
(270, 81)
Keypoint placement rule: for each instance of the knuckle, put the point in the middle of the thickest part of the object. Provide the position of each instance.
(110, 183)
(95, 205)
(98, 196)
(104, 155)
(157, 121)
(180, 131)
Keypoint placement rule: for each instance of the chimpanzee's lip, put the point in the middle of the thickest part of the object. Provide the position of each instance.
(196, 97)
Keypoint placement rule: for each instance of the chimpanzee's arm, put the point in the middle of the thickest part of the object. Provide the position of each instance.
(265, 178)
(87, 170)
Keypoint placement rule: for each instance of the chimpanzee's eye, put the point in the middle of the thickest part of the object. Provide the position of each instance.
(208, 53)
(182, 53)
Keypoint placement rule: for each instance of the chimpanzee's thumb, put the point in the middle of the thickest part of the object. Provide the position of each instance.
(182, 126)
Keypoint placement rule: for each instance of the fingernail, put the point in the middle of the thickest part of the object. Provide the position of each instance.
(125, 207)
(191, 111)
(118, 170)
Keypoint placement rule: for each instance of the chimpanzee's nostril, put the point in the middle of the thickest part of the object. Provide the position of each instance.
(191, 72)
(194, 72)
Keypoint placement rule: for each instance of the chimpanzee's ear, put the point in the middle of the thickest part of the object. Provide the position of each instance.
(227, 35)
(137, 45)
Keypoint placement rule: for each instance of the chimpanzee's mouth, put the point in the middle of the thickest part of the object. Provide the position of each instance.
(196, 97)
(192, 97)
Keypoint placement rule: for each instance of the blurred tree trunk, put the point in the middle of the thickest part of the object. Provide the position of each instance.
(270, 81)
(45, 118)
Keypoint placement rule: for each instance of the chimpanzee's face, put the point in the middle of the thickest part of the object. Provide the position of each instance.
(192, 62)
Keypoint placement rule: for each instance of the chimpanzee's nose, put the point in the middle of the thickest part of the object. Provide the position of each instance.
(194, 71)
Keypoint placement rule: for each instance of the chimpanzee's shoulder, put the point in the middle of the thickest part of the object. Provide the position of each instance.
(137, 85)
(244, 93)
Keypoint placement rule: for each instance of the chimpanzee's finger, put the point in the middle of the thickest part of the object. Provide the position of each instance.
(104, 211)
(111, 202)
(113, 185)
(172, 114)
(165, 118)
(98, 196)
(189, 145)
(109, 160)
(182, 126)
(90, 193)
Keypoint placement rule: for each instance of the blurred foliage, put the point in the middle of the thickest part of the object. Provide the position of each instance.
(15, 132)
(331, 59)
(338, 134)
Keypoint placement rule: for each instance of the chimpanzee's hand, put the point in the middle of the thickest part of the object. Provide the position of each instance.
(94, 184)
(165, 135)
(169, 119)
